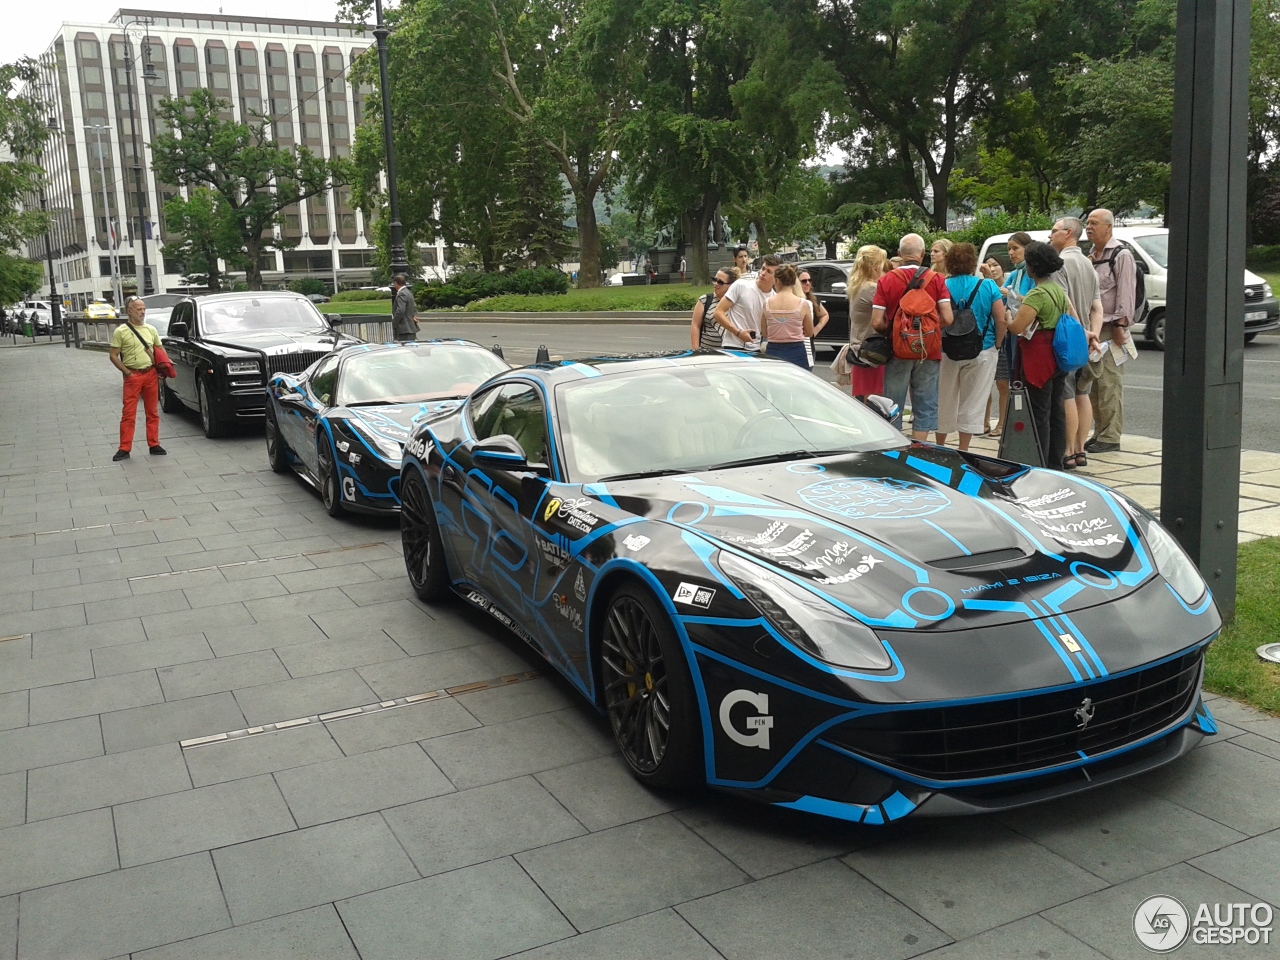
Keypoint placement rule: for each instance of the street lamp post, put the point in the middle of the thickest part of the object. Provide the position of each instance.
(55, 303)
(399, 261)
(117, 294)
(129, 60)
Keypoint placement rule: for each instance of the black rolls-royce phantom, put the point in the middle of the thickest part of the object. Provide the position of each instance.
(225, 346)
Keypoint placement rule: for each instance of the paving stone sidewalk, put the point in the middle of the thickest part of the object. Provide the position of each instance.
(163, 600)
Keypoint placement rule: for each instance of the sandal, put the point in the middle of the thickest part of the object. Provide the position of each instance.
(1070, 462)
(1082, 460)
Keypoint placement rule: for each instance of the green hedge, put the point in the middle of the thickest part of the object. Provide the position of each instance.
(471, 285)
(602, 299)
(886, 231)
(349, 295)
(1263, 258)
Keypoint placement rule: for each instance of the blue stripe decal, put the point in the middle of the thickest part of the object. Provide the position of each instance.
(704, 552)
(1200, 608)
(764, 624)
(1013, 606)
(896, 806)
(1129, 579)
(725, 495)
(965, 550)
(1007, 518)
(938, 472)
(970, 484)
(1083, 755)
(852, 812)
(601, 492)
(1055, 600)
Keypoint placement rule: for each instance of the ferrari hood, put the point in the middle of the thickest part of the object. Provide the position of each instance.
(918, 538)
(395, 421)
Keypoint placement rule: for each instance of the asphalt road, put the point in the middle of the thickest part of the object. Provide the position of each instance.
(1144, 388)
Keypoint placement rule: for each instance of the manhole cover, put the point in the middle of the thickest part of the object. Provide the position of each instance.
(1270, 652)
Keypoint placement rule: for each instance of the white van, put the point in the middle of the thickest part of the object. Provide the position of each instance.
(1150, 248)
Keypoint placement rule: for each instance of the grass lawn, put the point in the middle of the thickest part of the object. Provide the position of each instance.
(356, 307)
(660, 297)
(1232, 667)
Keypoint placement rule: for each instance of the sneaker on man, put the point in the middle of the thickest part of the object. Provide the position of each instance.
(1098, 446)
(121, 455)
(159, 451)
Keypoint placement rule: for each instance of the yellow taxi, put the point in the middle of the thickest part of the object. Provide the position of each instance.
(100, 310)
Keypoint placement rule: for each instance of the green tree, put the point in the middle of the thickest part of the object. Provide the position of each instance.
(467, 74)
(19, 278)
(529, 225)
(781, 212)
(252, 175)
(727, 111)
(208, 233)
(917, 75)
(23, 133)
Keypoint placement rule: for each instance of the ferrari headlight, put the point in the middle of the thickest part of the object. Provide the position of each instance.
(1170, 559)
(242, 366)
(387, 449)
(804, 618)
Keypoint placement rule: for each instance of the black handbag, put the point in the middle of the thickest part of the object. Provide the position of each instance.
(875, 351)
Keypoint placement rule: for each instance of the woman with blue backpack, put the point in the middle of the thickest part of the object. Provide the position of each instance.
(969, 347)
(1046, 354)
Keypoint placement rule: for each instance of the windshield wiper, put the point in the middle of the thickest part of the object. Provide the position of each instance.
(667, 472)
(775, 458)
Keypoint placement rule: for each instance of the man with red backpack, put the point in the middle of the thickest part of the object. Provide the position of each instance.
(911, 306)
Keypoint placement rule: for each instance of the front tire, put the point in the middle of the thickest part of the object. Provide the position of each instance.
(276, 452)
(424, 559)
(169, 401)
(1250, 337)
(1155, 329)
(329, 492)
(213, 427)
(648, 691)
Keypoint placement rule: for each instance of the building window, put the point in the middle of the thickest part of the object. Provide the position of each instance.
(88, 49)
(354, 259)
(216, 56)
(280, 82)
(307, 83)
(188, 79)
(430, 258)
(305, 60)
(246, 57)
(311, 130)
(337, 108)
(284, 130)
(249, 81)
(220, 81)
(91, 74)
(186, 54)
(275, 58)
(310, 108)
(333, 62)
(95, 100)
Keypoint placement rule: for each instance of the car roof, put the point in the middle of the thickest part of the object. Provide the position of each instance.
(211, 298)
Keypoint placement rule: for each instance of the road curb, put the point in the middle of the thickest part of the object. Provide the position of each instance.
(672, 317)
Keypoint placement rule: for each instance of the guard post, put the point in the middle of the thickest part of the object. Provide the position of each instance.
(1204, 325)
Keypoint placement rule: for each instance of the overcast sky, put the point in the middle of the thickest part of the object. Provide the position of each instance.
(29, 25)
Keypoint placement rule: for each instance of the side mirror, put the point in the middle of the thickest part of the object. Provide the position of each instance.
(179, 330)
(335, 320)
(883, 406)
(501, 451)
(291, 393)
(840, 288)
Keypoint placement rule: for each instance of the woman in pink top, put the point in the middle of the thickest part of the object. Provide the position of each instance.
(788, 320)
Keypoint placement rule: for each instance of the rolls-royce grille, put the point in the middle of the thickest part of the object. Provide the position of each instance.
(1026, 733)
(293, 362)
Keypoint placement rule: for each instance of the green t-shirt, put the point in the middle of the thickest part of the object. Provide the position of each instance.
(1049, 301)
(132, 354)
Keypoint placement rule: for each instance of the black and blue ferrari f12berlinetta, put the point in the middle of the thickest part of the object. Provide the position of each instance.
(342, 423)
(769, 590)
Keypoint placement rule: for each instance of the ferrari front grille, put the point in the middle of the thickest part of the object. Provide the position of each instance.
(1001, 737)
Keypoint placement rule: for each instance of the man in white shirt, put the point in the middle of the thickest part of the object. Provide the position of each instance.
(741, 311)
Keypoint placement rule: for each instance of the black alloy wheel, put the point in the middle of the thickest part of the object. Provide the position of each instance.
(648, 692)
(276, 453)
(169, 401)
(213, 427)
(424, 558)
(329, 492)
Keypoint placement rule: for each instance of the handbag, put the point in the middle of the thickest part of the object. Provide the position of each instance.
(875, 351)
(164, 366)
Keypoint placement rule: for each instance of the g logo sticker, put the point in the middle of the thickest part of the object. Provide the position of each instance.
(348, 488)
(552, 506)
(758, 726)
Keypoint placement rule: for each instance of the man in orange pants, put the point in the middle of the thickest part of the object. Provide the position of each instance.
(132, 346)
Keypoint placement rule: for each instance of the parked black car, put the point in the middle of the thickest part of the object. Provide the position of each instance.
(225, 347)
(830, 285)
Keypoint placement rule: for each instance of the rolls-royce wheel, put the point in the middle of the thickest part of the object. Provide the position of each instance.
(213, 427)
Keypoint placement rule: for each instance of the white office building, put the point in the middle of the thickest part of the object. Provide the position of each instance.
(293, 72)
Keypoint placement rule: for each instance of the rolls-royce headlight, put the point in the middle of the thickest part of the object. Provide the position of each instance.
(804, 618)
(242, 366)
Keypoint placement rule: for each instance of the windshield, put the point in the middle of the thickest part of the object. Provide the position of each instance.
(416, 373)
(690, 418)
(1156, 246)
(259, 315)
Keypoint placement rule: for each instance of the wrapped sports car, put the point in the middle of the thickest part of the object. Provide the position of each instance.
(342, 423)
(768, 589)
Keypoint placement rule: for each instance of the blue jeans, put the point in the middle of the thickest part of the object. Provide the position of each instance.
(922, 377)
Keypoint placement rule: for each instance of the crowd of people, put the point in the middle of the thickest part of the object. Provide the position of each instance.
(1008, 321)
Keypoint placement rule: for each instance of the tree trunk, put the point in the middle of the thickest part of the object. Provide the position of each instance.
(762, 236)
(215, 275)
(253, 253)
(588, 241)
(831, 249)
(940, 199)
(695, 224)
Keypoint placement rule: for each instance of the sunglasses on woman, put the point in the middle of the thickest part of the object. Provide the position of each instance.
(806, 280)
